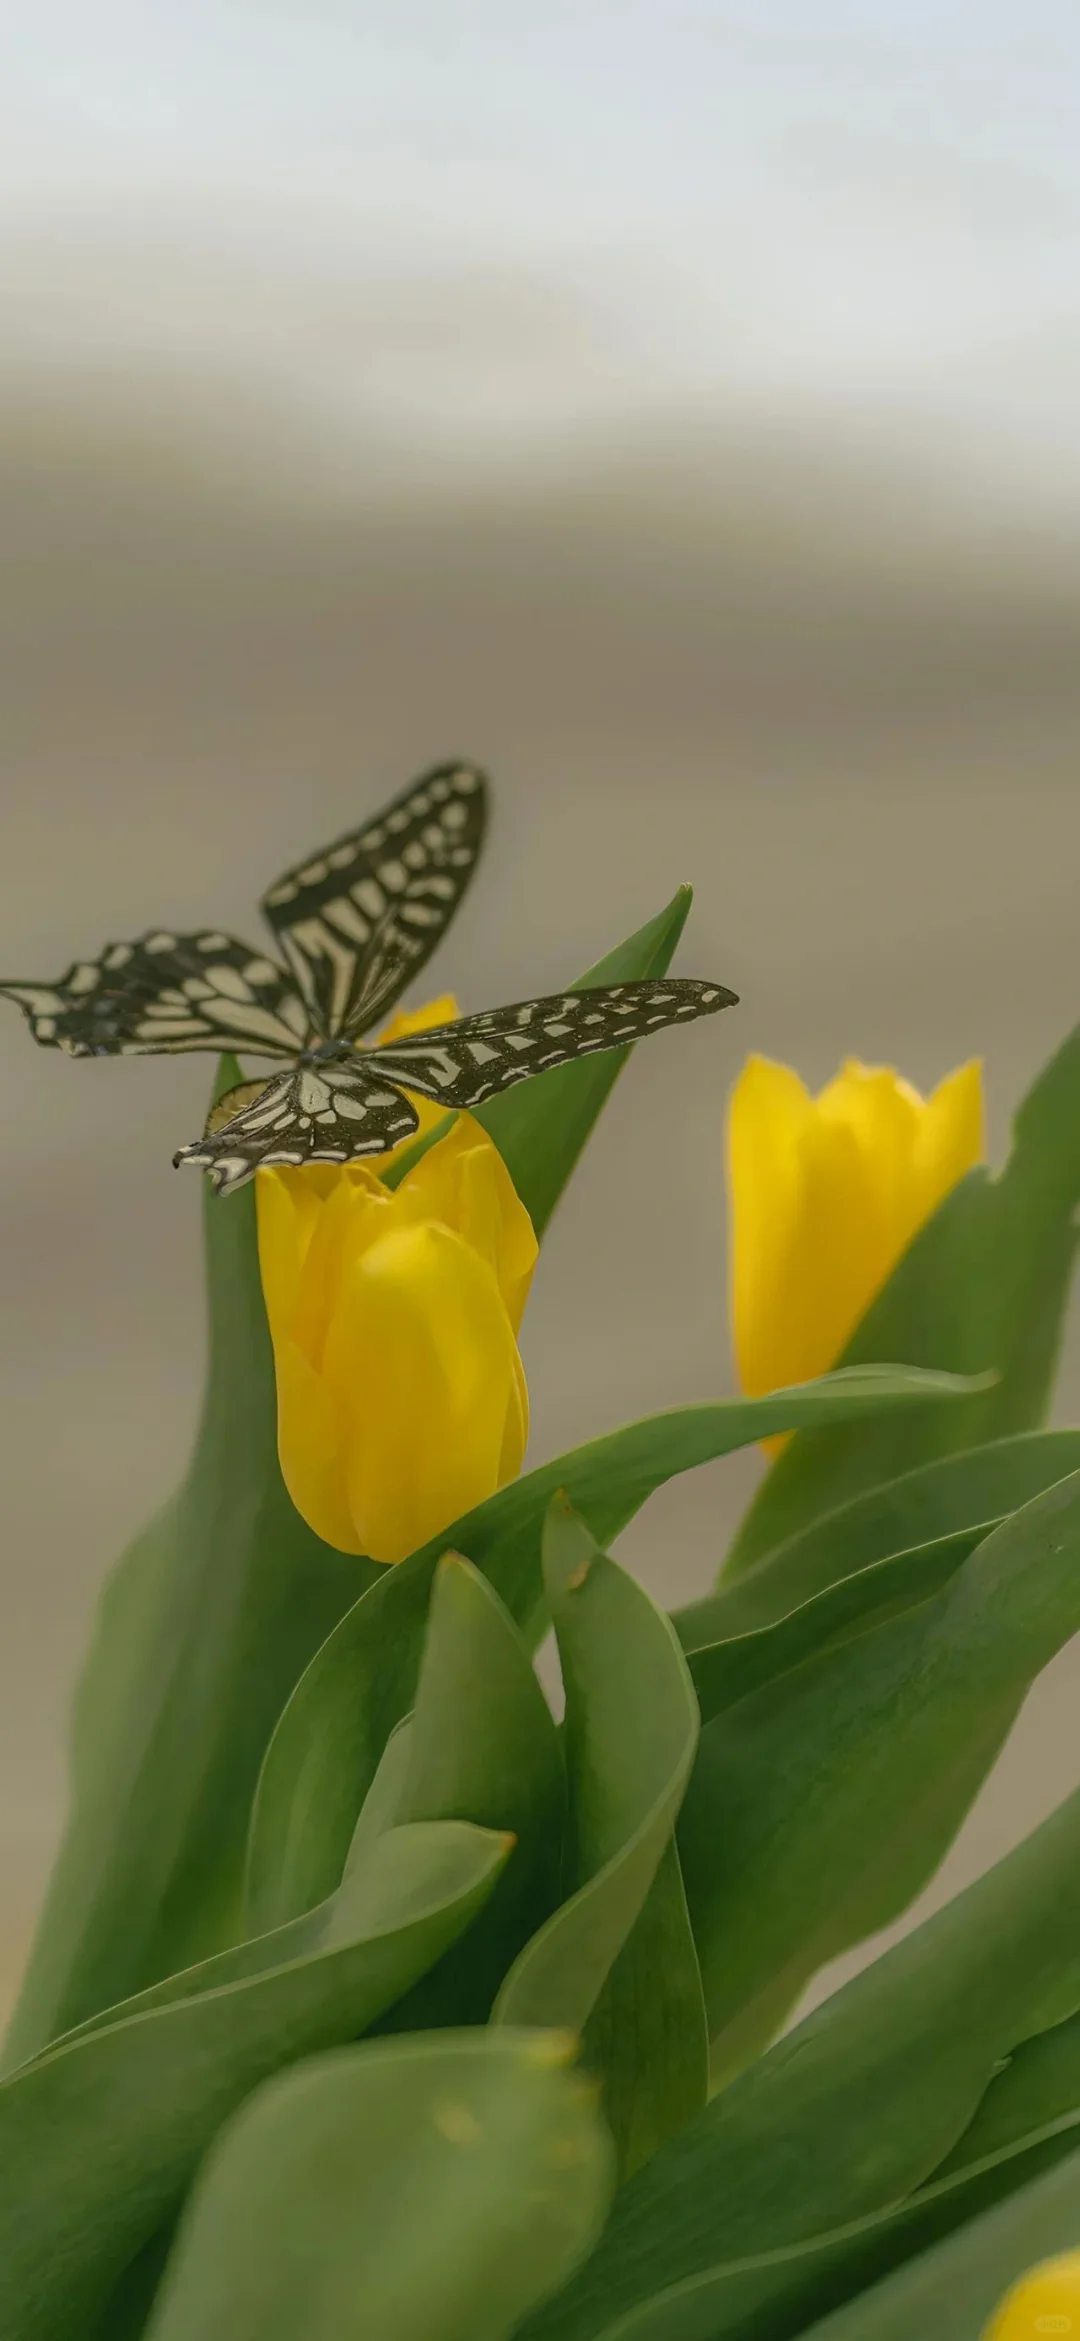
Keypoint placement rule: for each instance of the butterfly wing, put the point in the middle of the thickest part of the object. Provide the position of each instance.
(358, 920)
(163, 994)
(334, 1113)
(462, 1064)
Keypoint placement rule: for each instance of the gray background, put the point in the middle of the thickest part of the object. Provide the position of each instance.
(672, 407)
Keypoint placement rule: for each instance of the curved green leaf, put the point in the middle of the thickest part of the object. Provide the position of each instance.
(977, 1487)
(745, 1656)
(424, 2190)
(100, 2134)
(483, 1747)
(630, 1734)
(331, 1734)
(983, 1286)
(734, 2228)
(202, 1633)
(648, 2036)
(951, 2292)
(822, 1802)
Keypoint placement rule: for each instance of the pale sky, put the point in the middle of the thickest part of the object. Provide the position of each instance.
(480, 216)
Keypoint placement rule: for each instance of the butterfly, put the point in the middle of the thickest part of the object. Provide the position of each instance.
(353, 924)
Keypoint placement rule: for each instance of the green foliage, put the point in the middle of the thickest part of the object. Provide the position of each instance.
(340, 1900)
(100, 2135)
(775, 2195)
(478, 2147)
(631, 1730)
(331, 1733)
(209, 1619)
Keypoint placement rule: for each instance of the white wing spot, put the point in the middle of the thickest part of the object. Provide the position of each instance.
(370, 897)
(343, 914)
(84, 979)
(230, 981)
(314, 872)
(160, 942)
(119, 955)
(211, 943)
(393, 875)
(313, 1094)
(292, 1013)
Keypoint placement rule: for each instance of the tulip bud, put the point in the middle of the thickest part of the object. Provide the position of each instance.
(826, 1193)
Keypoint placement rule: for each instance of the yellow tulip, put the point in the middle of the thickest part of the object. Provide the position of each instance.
(394, 1321)
(1046, 2300)
(825, 1194)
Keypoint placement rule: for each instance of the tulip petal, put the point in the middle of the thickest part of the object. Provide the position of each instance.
(421, 1362)
(953, 1137)
(826, 1193)
(464, 1182)
(310, 1449)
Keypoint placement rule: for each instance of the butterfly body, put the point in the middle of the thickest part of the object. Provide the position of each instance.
(353, 924)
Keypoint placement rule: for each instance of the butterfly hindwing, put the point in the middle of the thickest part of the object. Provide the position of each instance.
(358, 920)
(464, 1063)
(332, 1113)
(163, 994)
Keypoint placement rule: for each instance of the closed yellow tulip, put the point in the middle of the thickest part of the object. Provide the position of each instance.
(394, 1321)
(825, 1194)
(1045, 2301)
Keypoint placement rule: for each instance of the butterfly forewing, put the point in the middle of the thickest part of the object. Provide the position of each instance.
(462, 1064)
(358, 920)
(165, 993)
(330, 1113)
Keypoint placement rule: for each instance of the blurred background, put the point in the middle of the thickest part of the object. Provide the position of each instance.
(671, 404)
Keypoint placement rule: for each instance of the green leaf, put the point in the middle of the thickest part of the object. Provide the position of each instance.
(330, 1737)
(984, 1285)
(540, 1127)
(210, 1618)
(974, 1489)
(100, 2135)
(647, 2036)
(951, 2292)
(733, 2229)
(418, 2190)
(821, 1803)
(744, 1655)
(630, 1733)
(483, 1747)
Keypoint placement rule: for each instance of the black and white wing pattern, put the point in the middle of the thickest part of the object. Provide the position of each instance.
(329, 1113)
(163, 994)
(336, 1112)
(461, 1064)
(357, 921)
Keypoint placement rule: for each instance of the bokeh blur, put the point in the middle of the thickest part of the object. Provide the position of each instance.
(671, 405)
